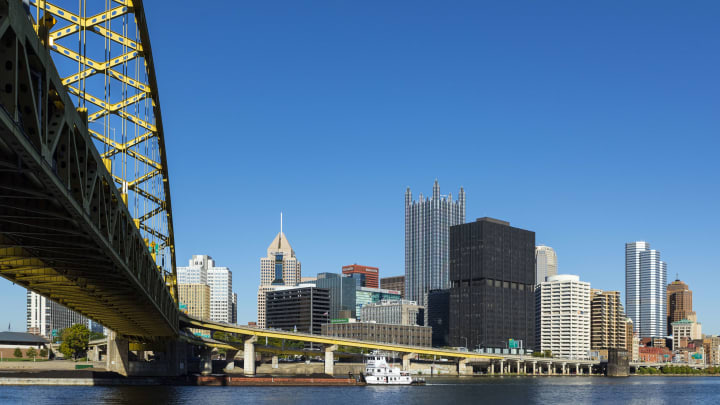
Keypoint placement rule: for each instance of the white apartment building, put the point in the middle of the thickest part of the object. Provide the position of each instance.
(202, 270)
(563, 316)
(46, 317)
(280, 268)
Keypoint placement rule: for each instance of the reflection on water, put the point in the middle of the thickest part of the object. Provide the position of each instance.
(507, 390)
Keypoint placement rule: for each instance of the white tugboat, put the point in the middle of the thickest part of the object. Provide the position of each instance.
(378, 372)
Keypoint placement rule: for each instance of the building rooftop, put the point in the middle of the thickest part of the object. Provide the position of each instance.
(493, 220)
(21, 337)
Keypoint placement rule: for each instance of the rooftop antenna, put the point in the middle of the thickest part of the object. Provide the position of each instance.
(280, 221)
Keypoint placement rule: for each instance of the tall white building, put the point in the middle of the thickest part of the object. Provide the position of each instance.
(202, 270)
(646, 289)
(280, 268)
(45, 316)
(545, 263)
(427, 241)
(563, 316)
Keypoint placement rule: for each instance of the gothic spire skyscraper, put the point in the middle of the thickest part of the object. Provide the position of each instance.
(279, 268)
(427, 224)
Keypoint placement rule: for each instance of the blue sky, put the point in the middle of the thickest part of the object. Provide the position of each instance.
(591, 123)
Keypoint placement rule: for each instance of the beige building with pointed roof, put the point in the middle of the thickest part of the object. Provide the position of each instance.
(280, 268)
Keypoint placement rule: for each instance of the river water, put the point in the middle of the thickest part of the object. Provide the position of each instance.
(459, 391)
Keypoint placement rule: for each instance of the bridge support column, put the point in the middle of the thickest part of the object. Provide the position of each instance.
(463, 368)
(406, 361)
(577, 369)
(330, 359)
(94, 353)
(491, 368)
(249, 356)
(275, 362)
(551, 368)
(564, 369)
(230, 359)
(117, 354)
(502, 367)
(206, 361)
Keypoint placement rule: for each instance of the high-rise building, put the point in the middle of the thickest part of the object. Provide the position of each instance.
(679, 303)
(195, 300)
(629, 334)
(47, 318)
(607, 320)
(563, 316)
(438, 316)
(367, 275)
(202, 270)
(221, 295)
(394, 312)
(427, 225)
(645, 289)
(234, 308)
(342, 294)
(280, 268)
(545, 263)
(299, 309)
(396, 283)
(492, 298)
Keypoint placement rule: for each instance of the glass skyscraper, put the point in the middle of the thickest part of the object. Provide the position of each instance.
(427, 223)
(645, 289)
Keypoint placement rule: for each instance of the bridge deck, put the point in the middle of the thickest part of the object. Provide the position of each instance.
(328, 340)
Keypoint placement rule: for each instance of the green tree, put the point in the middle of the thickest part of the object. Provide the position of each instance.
(74, 341)
(17, 353)
(31, 352)
(43, 353)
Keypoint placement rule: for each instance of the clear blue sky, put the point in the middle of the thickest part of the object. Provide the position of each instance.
(591, 123)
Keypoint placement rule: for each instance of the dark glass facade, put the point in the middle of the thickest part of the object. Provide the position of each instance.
(438, 310)
(305, 309)
(342, 293)
(492, 275)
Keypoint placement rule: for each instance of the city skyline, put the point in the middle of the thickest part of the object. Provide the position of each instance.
(548, 91)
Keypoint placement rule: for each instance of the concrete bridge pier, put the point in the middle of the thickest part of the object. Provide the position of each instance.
(329, 359)
(249, 356)
(117, 354)
(577, 369)
(94, 353)
(534, 368)
(491, 368)
(463, 368)
(230, 359)
(206, 361)
(502, 367)
(406, 361)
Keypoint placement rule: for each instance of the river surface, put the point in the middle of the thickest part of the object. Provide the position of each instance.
(459, 391)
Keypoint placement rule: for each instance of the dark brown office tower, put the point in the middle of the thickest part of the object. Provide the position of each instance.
(396, 283)
(679, 303)
(492, 276)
